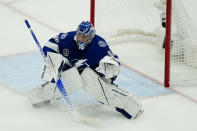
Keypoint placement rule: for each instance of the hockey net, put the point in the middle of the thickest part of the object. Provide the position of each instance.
(136, 21)
(183, 47)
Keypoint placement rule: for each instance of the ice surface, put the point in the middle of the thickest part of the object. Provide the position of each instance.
(174, 111)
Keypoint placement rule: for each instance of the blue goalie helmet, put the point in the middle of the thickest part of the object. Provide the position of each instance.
(84, 34)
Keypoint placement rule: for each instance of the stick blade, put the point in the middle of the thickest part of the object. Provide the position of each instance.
(93, 121)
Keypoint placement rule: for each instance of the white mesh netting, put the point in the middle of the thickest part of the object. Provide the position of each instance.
(126, 20)
(183, 53)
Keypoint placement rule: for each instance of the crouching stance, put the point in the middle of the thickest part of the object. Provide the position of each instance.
(86, 62)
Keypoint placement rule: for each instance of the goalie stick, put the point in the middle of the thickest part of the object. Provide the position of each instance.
(75, 115)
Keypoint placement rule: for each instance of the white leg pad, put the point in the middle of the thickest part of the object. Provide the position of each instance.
(43, 92)
(109, 94)
(71, 80)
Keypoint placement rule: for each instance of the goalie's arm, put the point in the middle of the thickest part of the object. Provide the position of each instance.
(51, 46)
(51, 51)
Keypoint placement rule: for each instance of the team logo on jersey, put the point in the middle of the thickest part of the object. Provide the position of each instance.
(80, 63)
(62, 36)
(102, 43)
(65, 52)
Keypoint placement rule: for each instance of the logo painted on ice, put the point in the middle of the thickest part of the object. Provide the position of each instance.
(102, 43)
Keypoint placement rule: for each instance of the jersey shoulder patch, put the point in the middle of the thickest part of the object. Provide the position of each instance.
(63, 35)
(59, 37)
(102, 43)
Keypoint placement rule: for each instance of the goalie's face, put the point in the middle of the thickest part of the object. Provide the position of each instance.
(84, 34)
(82, 38)
(82, 41)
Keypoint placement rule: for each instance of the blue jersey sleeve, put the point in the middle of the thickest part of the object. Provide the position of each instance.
(103, 49)
(99, 49)
(54, 43)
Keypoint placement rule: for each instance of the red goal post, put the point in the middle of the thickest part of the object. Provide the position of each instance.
(167, 45)
(181, 45)
(92, 11)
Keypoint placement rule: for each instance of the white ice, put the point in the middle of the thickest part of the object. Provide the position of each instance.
(173, 112)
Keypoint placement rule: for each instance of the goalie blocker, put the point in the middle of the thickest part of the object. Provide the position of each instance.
(98, 87)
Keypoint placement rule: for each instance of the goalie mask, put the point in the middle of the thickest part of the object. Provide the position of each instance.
(84, 34)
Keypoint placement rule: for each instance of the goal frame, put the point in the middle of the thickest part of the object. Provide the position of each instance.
(167, 44)
(167, 34)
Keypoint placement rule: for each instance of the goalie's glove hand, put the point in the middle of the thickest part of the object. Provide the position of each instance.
(52, 67)
(108, 67)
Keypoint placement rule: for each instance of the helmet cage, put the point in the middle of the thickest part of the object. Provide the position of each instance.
(85, 29)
